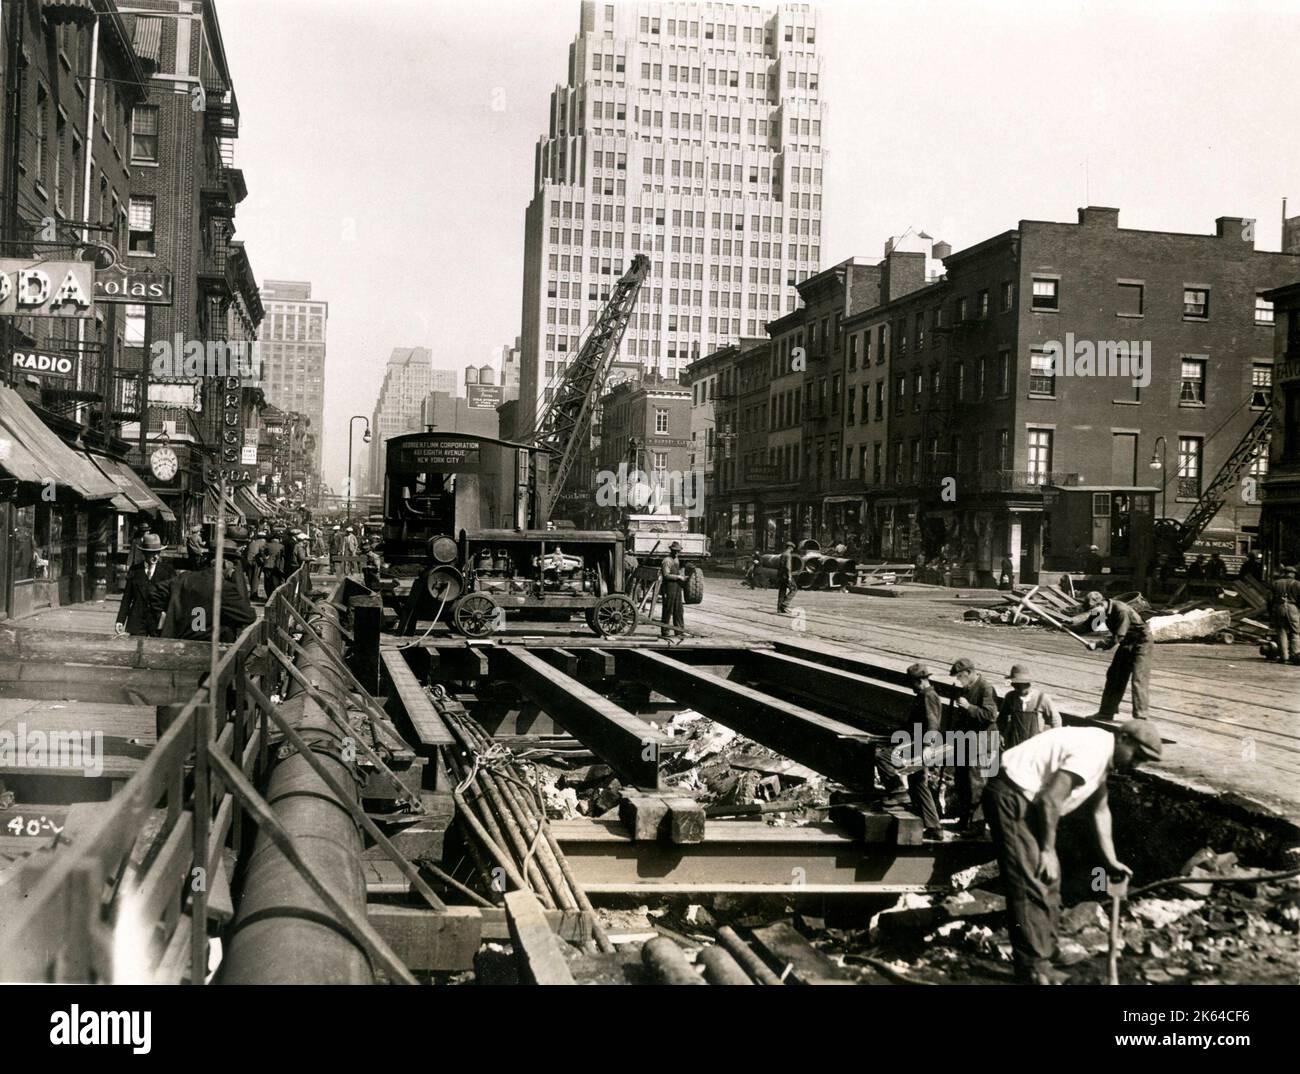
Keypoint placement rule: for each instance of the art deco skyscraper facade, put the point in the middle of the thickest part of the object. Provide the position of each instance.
(691, 133)
(292, 344)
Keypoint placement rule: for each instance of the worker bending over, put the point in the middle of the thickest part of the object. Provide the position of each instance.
(1131, 640)
(1040, 781)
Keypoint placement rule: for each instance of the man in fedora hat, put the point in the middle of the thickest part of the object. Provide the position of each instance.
(1286, 615)
(1025, 711)
(1040, 781)
(147, 586)
(786, 587)
(672, 580)
(190, 612)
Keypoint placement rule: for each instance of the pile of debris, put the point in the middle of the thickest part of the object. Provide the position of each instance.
(732, 775)
(1186, 933)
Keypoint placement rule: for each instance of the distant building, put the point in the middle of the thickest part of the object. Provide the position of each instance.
(644, 427)
(408, 380)
(448, 413)
(293, 353)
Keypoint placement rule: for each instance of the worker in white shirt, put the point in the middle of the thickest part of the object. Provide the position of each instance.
(1041, 780)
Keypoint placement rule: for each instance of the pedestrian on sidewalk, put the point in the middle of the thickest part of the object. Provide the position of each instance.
(148, 586)
(196, 549)
(1131, 640)
(336, 549)
(1025, 712)
(254, 553)
(273, 562)
(191, 612)
(1286, 615)
(1042, 780)
(786, 586)
(973, 713)
(672, 580)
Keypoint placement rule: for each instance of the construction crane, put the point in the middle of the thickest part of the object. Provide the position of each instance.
(564, 426)
(1176, 536)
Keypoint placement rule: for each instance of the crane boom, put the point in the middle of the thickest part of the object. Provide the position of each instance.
(564, 426)
(1216, 492)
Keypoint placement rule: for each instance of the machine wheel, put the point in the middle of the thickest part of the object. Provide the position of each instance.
(613, 616)
(694, 587)
(475, 615)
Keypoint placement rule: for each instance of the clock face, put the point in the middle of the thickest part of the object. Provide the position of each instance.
(163, 463)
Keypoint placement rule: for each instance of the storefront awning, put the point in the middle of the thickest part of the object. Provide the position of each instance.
(132, 487)
(31, 451)
(211, 511)
(249, 504)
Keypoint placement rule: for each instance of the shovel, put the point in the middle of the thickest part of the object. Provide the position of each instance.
(1118, 893)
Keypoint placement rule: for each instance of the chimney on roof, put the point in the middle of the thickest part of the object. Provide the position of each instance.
(1235, 229)
(1099, 216)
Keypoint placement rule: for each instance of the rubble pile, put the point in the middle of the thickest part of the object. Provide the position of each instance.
(1243, 933)
(732, 775)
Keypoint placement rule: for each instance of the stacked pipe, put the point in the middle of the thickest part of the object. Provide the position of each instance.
(506, 822)
(812, 569)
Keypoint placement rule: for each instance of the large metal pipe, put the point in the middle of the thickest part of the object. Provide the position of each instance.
(283, 933)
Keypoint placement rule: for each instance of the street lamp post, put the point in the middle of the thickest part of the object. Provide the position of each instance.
(365, 439)
(1158, 463)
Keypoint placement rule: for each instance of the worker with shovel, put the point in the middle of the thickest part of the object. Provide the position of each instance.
(1131, 640)
(1043, 779)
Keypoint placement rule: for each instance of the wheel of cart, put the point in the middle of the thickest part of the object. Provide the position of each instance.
(475, 615)
(612, 616)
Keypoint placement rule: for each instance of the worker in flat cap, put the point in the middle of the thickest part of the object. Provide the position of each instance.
(975, 709)
(1285, 599)
(1026, 711)
(672, 580)
(1131, 640)
(925, 719)
(785, 572)
(1043, 779)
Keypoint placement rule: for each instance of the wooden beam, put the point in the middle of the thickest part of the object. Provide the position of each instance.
(826, 745)
(537, 948)
(623, 741)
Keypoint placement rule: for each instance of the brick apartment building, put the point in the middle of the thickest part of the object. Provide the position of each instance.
(977, 438)
(184, 192)
(1280, 521)
(645, 424)
(71, 79)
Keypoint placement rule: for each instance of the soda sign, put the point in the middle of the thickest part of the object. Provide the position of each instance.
(46, 288)
(46, 365)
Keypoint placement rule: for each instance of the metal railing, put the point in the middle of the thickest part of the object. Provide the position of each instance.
(100, 913)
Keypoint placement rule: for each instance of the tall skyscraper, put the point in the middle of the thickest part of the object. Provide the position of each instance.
(691, 133)
(292, 344)
(408, 380)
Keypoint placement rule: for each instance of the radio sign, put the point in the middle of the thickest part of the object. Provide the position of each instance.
(46, 365)
(439, 453)
(122, 284)
(46, 288)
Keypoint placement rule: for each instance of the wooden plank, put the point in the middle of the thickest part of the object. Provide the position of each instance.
(537, 949)
(430, 940)
(408, 697)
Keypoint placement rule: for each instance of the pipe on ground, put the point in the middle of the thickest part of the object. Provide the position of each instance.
(283, 933)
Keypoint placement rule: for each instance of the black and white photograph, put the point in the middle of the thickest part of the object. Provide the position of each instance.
(552, 492)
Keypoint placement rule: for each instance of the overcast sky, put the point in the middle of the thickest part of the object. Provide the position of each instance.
(379, 170)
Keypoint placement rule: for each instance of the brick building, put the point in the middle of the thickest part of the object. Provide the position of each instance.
(1280, 522)
(980, 436)
(185, 188)
(66, 185)
(645, 424)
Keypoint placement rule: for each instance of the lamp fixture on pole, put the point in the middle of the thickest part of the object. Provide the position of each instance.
(365, 439)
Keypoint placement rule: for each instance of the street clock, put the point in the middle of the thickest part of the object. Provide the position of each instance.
(164, 464)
